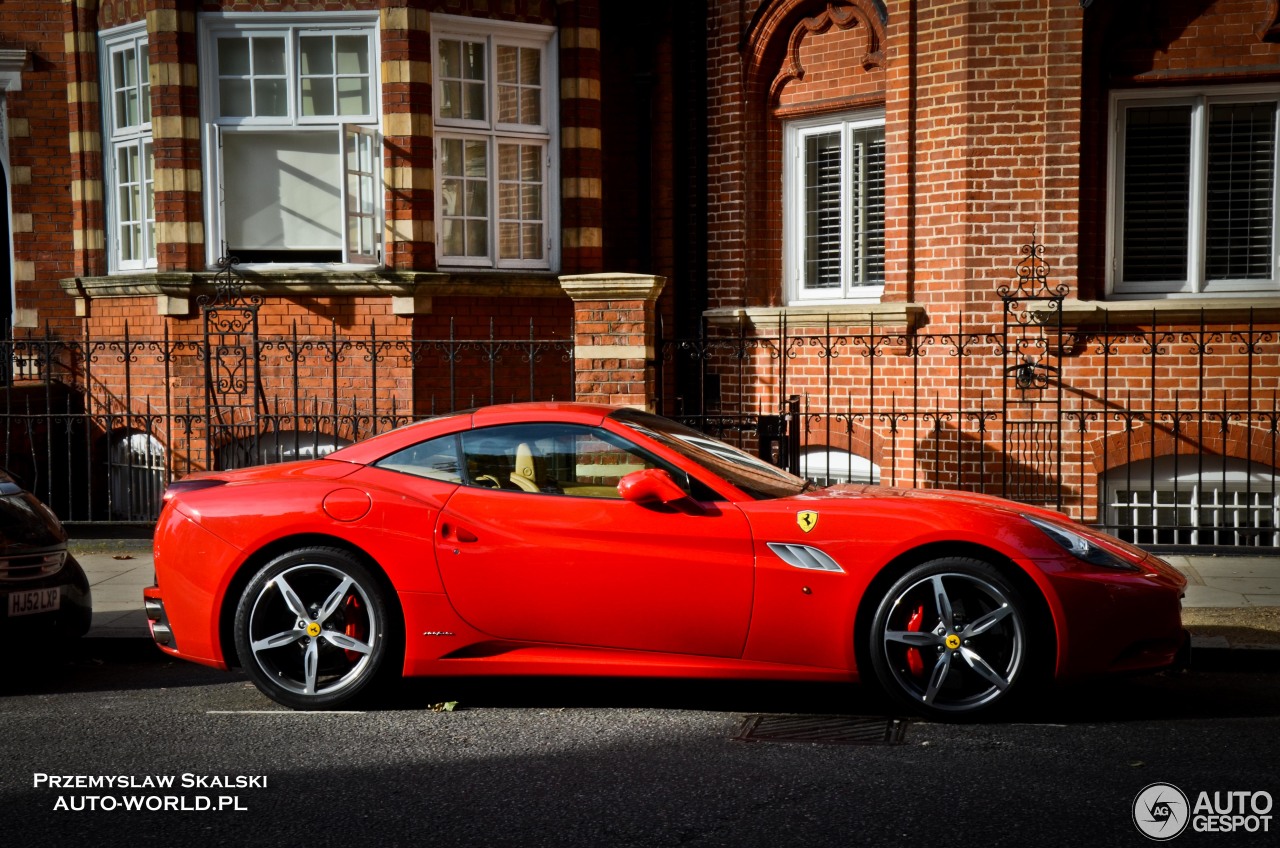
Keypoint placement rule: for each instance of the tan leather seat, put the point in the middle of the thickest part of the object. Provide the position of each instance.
(529, 472)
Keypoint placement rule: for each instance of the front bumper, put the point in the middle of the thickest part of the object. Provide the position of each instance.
(1120, 621)
(69, 621)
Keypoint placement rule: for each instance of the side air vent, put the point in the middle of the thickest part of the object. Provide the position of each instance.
(803, 556)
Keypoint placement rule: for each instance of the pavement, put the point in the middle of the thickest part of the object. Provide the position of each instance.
(1232, 606)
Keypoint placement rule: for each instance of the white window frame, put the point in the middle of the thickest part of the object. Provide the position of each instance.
(1196, 284)
(793, 217)
(133, 138)
(367, 206)
(493, 133)
(1212, 488)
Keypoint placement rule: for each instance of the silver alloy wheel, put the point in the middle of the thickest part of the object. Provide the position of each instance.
(312, 630)
(953, 641)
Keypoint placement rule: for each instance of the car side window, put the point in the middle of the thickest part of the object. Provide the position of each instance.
(553, 459)
(434, 459)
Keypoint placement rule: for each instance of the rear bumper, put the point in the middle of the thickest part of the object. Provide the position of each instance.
(183, 609)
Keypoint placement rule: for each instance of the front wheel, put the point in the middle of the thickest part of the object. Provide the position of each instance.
(311, 628)
(952, 639)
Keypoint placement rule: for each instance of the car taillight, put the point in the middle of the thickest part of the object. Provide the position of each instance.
(179, 486)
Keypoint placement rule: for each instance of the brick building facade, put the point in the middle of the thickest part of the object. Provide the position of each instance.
(1026, 248)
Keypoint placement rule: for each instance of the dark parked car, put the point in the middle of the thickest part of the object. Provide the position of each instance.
(44, 593)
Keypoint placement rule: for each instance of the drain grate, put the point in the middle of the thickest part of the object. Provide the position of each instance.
(823, 730)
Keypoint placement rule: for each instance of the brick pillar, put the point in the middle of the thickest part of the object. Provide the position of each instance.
(613, 336)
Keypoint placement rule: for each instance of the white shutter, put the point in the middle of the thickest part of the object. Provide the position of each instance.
(1157, 194)
(1241, 190)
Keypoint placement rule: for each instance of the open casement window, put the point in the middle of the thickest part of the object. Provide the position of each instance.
(494, 108)
(361, 186)
(300, 197)
(129, 165)
(1193, 199)
(834, 206)
(293, 143)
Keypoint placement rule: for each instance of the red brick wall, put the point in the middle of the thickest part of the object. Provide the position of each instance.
(829, 63)
(982, 126)
(536, 333)
(40, 160)
(727, 208)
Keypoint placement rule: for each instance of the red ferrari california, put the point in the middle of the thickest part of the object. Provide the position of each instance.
(567, 539)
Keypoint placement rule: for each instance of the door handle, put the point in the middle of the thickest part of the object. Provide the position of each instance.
(453, 533)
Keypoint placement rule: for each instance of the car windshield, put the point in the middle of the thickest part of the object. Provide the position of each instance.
(750, 474)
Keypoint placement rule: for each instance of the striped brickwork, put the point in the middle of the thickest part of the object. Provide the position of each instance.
(84, 136)
(175, 128)
(407, 134)
(582, 245)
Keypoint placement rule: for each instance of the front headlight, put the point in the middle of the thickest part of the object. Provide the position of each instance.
(1081, 547)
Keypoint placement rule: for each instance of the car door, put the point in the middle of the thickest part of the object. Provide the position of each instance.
(538, 546)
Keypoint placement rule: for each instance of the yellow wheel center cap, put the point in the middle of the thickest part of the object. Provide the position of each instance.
(953, 641)
(313, 629)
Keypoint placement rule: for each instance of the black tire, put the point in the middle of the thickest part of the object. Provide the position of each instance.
(313, 629)
(952, 639)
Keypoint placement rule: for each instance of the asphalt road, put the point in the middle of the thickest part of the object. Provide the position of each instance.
(601, 763)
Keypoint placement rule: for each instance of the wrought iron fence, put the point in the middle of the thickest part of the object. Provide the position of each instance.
(1162, 433)
(97, 427)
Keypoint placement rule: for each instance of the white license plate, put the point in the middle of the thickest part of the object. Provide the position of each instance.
(34, 601)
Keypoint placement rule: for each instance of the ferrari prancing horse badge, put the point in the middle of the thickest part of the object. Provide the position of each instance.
(808, 519)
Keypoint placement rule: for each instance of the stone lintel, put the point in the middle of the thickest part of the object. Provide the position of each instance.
(612, 286)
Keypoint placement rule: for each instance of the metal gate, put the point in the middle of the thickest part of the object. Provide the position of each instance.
(1031, 350)
(231, 354)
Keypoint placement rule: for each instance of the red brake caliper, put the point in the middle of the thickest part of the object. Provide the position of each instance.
(915, 662)
(354, 626)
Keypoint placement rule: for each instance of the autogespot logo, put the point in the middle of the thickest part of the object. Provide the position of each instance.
(1160, 811)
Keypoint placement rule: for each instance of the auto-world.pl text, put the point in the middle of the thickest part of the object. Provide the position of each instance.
(117, 797)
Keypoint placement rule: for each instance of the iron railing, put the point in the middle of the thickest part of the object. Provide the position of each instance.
(98, 427)
(1165, 434)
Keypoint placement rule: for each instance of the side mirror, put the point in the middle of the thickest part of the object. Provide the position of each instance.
(650, 486)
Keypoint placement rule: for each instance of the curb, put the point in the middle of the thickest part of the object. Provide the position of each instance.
(1241, 658)
(117, 649)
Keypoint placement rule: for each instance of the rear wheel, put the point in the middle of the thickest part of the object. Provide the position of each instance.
(311, 629)
(951, 638)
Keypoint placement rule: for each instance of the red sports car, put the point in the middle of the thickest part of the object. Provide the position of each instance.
(567, 539)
